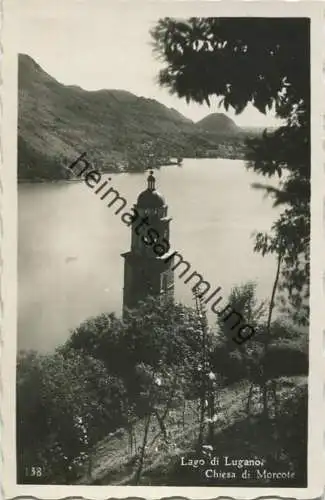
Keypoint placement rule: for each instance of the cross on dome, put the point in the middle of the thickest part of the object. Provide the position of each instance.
(151, 181)
(150, 197)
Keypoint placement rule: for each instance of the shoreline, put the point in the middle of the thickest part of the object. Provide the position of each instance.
(54, 181)
(45, 181)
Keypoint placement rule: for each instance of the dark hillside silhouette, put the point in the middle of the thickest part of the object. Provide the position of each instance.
(121, 130)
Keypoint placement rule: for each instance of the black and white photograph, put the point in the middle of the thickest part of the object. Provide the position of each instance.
(167, 324)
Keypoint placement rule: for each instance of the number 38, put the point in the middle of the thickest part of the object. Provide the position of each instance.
(34, 471)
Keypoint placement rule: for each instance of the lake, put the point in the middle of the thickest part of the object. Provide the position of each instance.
(70, 243)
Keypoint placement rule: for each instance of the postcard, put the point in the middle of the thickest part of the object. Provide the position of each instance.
(162, 249)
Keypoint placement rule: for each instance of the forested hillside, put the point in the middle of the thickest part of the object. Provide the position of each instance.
(119, 130)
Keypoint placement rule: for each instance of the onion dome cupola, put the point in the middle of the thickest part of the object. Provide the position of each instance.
(150, 200)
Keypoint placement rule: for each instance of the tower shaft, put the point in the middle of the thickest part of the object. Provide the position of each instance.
(147, 271)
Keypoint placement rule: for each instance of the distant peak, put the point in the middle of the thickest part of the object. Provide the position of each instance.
(218, 122)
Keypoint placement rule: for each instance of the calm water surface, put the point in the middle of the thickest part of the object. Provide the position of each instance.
(69, 262)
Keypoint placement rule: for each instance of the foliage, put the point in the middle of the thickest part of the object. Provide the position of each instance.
(236, 362)
(127, 376)
(109, 374)
(293, 432)
(65, 404)
(155, 351)
(239, 59)
(155, 333)
(244, 301)
(282, 444)
(99, 338)
(265, 63)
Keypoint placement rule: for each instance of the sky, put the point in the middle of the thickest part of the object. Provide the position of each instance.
(106, 44)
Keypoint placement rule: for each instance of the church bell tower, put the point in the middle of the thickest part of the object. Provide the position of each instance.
(147, 269)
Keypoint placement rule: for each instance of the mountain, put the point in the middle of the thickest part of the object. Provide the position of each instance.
(117, 129)
(219, 123)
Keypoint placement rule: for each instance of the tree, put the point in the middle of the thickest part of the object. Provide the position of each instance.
(154, 351)
(238, 361)
(265, 357)
(156, 394)
(263, 62)
(154, 332)
(66, 402)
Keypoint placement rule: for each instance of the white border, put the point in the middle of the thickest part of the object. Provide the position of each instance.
(314, 10)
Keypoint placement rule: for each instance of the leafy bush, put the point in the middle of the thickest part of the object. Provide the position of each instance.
(152, 334)
(112, 373)
(65, 403)
(292, 429)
